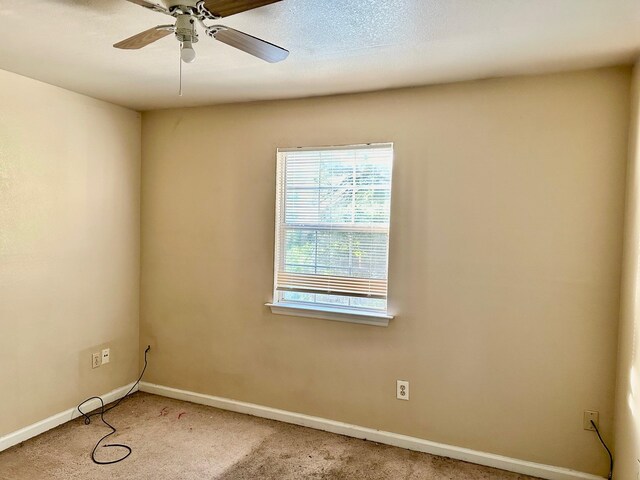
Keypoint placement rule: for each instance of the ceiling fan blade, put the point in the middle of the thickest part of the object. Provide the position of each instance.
(150, 6)
(250, 44)
(224, 8)
(143, 39)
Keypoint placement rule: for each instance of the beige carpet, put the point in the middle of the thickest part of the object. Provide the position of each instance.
(178, 440)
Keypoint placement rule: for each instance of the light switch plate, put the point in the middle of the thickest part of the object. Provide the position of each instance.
(106, 355)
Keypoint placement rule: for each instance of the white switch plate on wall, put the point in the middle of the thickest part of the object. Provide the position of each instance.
(402, 389)
(106, 355)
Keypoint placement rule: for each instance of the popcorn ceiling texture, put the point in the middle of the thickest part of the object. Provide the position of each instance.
(336, 47)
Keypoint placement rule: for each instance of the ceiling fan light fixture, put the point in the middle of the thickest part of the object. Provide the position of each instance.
(187, 53)
(189, 12)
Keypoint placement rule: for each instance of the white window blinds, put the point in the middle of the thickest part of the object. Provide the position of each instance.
(332, 225)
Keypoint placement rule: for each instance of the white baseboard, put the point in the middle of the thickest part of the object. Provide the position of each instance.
(53, 421)
(388, 438)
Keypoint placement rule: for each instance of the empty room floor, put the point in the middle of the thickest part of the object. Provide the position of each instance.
(172, 439)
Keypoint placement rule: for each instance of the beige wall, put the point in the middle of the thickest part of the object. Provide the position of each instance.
(505, 262)
(628, 393)
(69, 248)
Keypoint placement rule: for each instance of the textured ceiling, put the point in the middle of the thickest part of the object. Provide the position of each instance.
(336, 46)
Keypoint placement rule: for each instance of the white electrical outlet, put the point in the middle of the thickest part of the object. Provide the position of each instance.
(96, 361)
(402, 390)
(106, 354)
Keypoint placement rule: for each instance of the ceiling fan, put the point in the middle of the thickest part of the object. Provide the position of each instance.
(189, 12)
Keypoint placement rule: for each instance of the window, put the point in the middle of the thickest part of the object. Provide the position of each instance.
(332, 230)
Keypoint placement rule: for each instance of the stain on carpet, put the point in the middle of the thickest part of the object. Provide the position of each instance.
(175, 440)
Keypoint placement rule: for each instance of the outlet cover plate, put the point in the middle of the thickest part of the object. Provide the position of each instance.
(106, 355)
(586, 420)
(402, 389)
(96, 361)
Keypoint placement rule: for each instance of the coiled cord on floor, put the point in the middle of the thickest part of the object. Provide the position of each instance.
(102, 411)
(606, 448)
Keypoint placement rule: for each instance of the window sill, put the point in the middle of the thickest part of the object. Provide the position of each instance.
(331, 313)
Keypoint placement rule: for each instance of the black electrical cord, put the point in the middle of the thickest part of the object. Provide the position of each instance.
(102, 411)
(606, 448)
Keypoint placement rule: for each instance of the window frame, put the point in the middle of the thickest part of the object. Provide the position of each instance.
(281, 306)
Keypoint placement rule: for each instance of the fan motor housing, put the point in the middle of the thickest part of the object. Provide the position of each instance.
(186, 28)
(180, 3)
